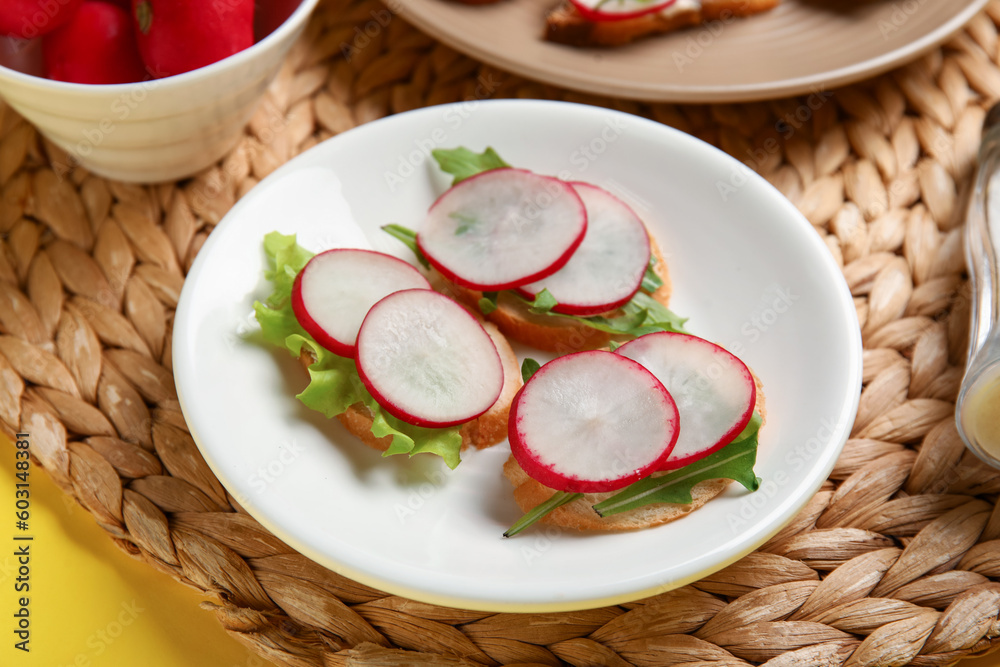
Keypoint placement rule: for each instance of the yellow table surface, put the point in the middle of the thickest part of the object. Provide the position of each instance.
(91, 605)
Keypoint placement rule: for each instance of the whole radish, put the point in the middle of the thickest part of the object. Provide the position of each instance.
(28, 19)
(96, 46)
(177, 36)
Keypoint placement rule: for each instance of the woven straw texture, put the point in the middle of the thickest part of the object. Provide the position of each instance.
(895, 561)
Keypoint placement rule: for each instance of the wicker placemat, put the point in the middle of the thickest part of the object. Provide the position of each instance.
(893, 562)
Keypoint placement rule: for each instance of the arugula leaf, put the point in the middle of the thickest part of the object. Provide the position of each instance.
(528, 368)
(734, 461)
(409, 239)
(557, 500)
(641, 315)
(623, 324)
(462, 163)
(488, 303)
(334, 383)
(543, 303)
(658, 317)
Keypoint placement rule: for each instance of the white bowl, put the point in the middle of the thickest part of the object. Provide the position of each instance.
(150, 131)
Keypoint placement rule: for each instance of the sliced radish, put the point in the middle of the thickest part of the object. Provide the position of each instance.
(618, 10)
(715, 391)
(427, 361)
(589, 423)
(503, 228)
(332, 294)
(607, 269)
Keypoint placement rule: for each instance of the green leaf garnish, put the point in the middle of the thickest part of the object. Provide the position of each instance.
(651, 280)
(658, 317)
(334, 383)
(557, 500)
(409, 239)
(287, 259)
(410, 439)
(734, 461)
(544, 302)
(528, 368)
(642, 315)
(462, 163)
(488, 303)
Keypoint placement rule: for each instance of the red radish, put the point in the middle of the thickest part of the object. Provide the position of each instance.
(27, 19)
(606, 270)
(427, 361)
(618, 10)
(95, 46)
(177, 37)
(335, 289)
(715, 392)
(502, 228)
(592, 422)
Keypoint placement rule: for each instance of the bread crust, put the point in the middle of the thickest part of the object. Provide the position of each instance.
(486, 430)
(580, 514)
(544, 332)
(565, 25)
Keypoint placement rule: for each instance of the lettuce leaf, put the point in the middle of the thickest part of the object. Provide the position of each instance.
(334, 383)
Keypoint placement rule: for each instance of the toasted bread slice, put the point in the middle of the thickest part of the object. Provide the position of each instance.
(565, 25)
(486, 430)
(544, 332)
(580, 514)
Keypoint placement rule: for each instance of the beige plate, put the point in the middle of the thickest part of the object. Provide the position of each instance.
(801, 46)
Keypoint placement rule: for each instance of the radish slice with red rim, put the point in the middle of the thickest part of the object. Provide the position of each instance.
(427, 360)
(606, 270)
(618, 10)
(332, 293)
(502, 228)
(714, 391)
(592, 422)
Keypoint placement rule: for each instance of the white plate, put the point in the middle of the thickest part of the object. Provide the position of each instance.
(747, 268)
(801, 46)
